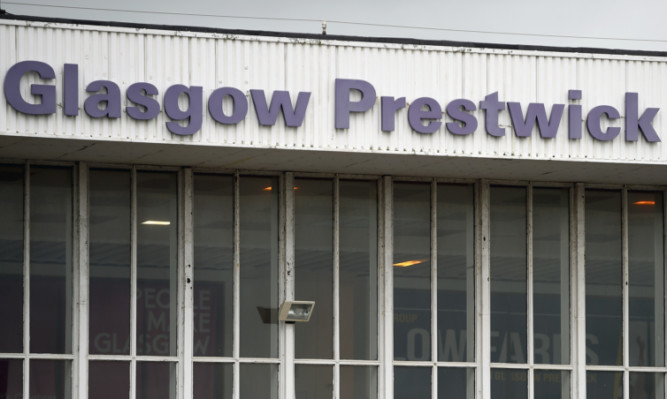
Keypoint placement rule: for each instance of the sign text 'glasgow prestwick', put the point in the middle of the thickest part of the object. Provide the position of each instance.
(183, 105)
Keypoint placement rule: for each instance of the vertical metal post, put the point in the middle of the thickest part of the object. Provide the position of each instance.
(133, 284)
(386, 308)
(434, 288)
(26, 282)
(625, 288)
(186, 351)
(579, 294)
(336, 287)
(484, 271)
(530, 288)
(287, 192)
(81, 273)
(236, 278)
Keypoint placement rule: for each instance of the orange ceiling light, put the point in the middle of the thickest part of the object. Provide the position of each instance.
(409, 263)
(647, 202)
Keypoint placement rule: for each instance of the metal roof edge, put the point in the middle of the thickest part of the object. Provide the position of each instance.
(393, 40)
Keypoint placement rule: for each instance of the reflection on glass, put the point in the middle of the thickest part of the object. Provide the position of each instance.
(551, 275)
(456, 274)
(50, 260)
(213, 380)
(412, 271)
(110, 233)
(508, 275)
(213, 214)
(456, 383)
(412, 383)
(509, 384)
(358, 382)
(358, 270)
(259, 266)
(11, 378)
(157, 259)
(259, 381)
(646, 275)
(109, 380)
(313, 382)
(11, 259)
(647, 385)
(604, 275)
(50, 379)
(552, 384)
(314, 265)
(604, 385)
(156, 380)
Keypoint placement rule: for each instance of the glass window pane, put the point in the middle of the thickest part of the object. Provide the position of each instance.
(11, 378)
(313, 382)
(314, 265)
(551, 275)
(456, 383)
(156, 380)
(358, 270)
(412, 271)
(456, 274)
(604, 276)
(109, 380)
(509, 384)
(157, 261)
(508, 275)
(259, 381)
(259, 266)
(213, 381)
(647, 281)
(412, 382)
(110, 232)
(214, 256)
(50, 379)
(647, 385)
(50, 260)
(358, 382)
(551, 384)
(11, 259)
(604, 385)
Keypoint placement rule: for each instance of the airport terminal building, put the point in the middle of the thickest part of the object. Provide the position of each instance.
(470, 221)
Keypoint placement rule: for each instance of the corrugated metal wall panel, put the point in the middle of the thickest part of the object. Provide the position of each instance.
(126, 56)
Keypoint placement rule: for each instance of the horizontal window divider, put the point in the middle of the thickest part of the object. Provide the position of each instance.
(456, 364)
(12, 356)
(48, 356)
(607, 368)
(407, 363)
(358, 362)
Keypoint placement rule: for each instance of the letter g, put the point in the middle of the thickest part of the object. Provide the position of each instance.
(46, 93)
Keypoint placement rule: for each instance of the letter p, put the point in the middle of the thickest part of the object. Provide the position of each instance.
(343, 104)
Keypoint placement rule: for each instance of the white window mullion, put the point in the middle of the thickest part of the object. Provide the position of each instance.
(133, 285)
(386, 308)
(80, 293)
(626, 296)
(579, 295)
(336, 287)
(236, 341)
(287, 238)
(434, 288)
(529, 311)
(664, 276)
(483, 333)
(186, 326)
(26, 282)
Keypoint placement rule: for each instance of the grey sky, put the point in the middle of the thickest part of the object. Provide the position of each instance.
(633, 25)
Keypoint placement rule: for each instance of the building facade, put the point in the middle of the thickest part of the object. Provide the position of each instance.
(471, 222)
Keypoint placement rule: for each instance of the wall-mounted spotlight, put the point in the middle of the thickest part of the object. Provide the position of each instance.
(296, 311)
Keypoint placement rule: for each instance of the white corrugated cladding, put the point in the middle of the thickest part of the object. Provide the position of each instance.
(165, 58)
